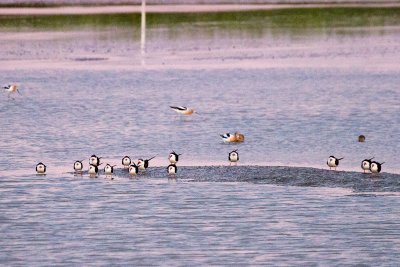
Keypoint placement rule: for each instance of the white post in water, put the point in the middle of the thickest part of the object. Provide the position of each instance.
(143, 30)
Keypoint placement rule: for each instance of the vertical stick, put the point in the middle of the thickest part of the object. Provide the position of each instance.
(143, 28)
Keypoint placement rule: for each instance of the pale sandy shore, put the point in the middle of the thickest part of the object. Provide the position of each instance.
(70, 10)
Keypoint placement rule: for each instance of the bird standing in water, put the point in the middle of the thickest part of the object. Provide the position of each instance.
(11, 89)
(183, 110)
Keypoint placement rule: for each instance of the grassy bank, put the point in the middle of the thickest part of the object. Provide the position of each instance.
(285, 18)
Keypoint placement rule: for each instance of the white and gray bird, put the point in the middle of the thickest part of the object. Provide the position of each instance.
(366, 164)
(333, 162)
(233, 156)
(173, 157)
(143, 164)
(376, 167)
(41, 168)
(172, 169)
(78, 165)
(126, 161)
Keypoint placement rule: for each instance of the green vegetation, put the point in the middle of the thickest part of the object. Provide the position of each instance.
(297, 18)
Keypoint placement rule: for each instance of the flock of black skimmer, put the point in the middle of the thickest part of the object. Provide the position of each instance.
(367, 165)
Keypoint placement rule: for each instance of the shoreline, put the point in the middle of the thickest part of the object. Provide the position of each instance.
(123, 9)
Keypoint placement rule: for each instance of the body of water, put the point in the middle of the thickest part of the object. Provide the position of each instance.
(301, 85)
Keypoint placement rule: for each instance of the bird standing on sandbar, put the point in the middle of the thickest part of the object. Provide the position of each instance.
(126, 161)
(133, 169)
(233, 157)
(333, 162)
(376, 167)
(172, 169)
(366, 164)
(108, 169)
(93, 170)
(144, 164)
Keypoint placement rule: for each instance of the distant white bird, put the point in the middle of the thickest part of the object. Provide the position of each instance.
(94, 160)
(172, 169)
(183, 110)
(93, 170)
(366, 164)
(133, 169)
(376, 167)
(126, 161)
(40, 168)
(78, 166)
(333, 162)
(143, 164)
(11, 89)
(173, 157)
(233, 156)
(108, 169)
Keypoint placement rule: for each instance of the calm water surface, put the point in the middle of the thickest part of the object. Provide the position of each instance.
(299, 91)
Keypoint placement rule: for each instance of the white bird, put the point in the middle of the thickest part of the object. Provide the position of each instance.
(333, 162)
(133, 169)
(144, 164)
(94, 160)
(78, 166)
(108, 169)
(172, 169)
(184, 110)
(126, 161)
(93, 170)
(173, 157)
(40, 168)
(366, 164)
(376, 167)
(233, 156)
(11, 89)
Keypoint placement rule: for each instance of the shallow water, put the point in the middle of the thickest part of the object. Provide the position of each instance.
(158, 221)
(299, 94)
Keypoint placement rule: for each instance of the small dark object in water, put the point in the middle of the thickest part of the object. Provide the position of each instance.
(361, 138)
